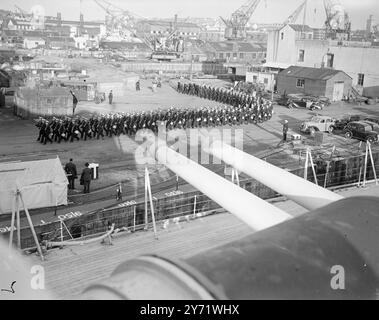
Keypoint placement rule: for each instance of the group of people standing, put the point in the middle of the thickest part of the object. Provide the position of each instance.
(72, 175)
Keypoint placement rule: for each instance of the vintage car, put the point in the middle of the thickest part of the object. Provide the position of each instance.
(362, 131)
(318, 123)
(340, 124)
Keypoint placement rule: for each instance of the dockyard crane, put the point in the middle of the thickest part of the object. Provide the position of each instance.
(118, 18)
(293, 17)
(337, 19)
(375, 31)
(21, 11)
(236, 25)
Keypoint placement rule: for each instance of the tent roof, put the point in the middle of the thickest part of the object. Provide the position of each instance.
(15, 175)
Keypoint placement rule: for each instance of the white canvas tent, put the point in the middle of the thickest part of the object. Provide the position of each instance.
(43, 183)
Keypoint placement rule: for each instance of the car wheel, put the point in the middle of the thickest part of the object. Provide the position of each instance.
(370, 140)
(331, 129)
(348, 135)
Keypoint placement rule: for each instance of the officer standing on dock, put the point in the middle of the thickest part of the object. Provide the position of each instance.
(285, 130)
(110, 97)
(74, 102)
(72, 174)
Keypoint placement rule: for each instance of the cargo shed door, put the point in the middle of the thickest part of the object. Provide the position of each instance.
(338, 91)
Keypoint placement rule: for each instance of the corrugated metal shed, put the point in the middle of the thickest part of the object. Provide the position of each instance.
(310, 73)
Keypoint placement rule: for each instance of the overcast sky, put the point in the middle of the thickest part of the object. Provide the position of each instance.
(268, 11)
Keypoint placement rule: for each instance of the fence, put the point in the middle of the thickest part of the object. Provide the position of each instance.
(42, 102)
(131, 216)
(126, 217)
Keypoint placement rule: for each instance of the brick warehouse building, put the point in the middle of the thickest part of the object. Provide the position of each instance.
(333, 84)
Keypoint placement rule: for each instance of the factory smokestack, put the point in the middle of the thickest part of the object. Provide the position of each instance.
(59, 19)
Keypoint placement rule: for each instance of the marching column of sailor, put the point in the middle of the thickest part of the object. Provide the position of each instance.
(241, 109)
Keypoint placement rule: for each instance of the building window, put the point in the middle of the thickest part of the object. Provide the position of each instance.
(265, 81)
(301, 55)
(254, 56)
(235, 55)
(228, 55)
(282, 36)
(221, 56)
(255, 78)
(300, 83)
(330, 60)
(361, 79)
(241, 55)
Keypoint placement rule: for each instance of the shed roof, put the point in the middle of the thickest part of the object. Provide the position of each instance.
(61, 39)
(56, 92)
(164, 23)
(310, 73)
(33, 39)
(131, 46)
(276, 65)
(227, 46)
(301, 28)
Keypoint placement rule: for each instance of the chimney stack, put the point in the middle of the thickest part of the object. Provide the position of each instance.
(81, 24)
(369, 26)
(59, 19)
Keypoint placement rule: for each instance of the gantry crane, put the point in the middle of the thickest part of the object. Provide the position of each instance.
(236, 25)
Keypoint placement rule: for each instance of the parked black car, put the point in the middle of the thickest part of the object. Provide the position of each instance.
(340, 124)
(362, 131)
